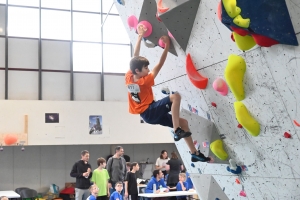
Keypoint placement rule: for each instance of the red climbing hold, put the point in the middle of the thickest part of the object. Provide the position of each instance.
(232, 38)
(237, 181)
(239, 31)
(287, 135)
(296, 123)
(263, 40)
(240, 126)
(243, 193)
(213, 104)
(195, 77)
(219, 11)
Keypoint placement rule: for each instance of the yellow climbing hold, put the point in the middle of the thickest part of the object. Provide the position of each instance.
(234, 75)
(241, 22)
(245, 119)
(217, 148)
(244, 43)
(231, 8)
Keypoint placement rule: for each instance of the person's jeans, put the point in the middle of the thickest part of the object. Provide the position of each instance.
(81, 194)
(112, 189)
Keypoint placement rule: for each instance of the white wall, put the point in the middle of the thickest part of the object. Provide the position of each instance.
(73, 128)
(272, 96)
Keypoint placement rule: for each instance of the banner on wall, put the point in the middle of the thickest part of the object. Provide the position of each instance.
(95, 124)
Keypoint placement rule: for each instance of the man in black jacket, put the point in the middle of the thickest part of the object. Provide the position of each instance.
(82, 171)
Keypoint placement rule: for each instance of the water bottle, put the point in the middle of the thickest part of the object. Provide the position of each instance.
(160, 188)
(154, 188)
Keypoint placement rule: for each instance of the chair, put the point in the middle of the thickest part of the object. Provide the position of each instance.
(28, 194)
(18, 190)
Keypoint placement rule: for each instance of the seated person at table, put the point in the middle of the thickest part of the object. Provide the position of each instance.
(4, 198)
(189, 181)
(182, 185)
(116, 195)
(158, 180)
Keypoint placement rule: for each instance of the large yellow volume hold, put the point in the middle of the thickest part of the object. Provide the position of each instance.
(231, 8)
(245, 119)
(234, 75)
(217, 148)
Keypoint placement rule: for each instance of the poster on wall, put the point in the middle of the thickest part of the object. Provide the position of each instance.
(95, 125)
(51, 118)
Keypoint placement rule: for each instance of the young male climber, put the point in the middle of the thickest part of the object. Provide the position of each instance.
(139, 81)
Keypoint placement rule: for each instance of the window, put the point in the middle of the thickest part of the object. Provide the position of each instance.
(56, 24)
(86, 27)
(114, 31)
(23, 22)
(87, 5)
(3, 1)
(34, 3)
(2, 20)
(116, 58)
(106, 4)
(59, 4)
(87, 57)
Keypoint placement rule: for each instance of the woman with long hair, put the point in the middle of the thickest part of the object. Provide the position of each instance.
(161, 162)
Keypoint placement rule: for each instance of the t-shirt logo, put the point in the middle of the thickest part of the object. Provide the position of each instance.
(134, 89)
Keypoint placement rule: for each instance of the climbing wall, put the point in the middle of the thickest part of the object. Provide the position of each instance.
(272, 96)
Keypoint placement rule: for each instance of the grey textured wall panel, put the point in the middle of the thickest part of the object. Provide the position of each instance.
(52, 167)
(208, 187)
(7, 169)
(27, 167)
(147, 148)
(180, 20)
(97, 151)
(203, 130)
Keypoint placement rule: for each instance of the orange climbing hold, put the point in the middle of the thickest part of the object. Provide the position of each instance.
(195, 77)
(160, 7)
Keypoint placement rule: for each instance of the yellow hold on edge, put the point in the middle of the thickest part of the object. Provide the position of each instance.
(231, 8)
(217, 148)
(244, 43)
(241, 22)
(234, 75)
(245, 119)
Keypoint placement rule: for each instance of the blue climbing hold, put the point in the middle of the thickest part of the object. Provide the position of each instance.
(237, 171)
(193, 165)
(122, 2)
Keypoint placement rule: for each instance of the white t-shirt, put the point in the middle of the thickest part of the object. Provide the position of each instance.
(162, 162)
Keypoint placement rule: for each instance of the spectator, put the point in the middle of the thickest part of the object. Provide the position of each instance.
(161, 162)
